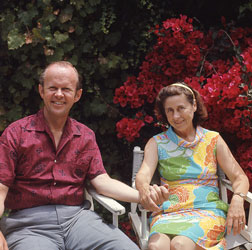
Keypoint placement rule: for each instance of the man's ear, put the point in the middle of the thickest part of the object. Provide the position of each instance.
(41, 90)
(78, 95)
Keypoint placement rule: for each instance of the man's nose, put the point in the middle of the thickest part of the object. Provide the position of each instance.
(59, 93)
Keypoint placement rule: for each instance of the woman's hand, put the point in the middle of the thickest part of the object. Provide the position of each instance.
(159, 194)
(151, 196)
(236, 215)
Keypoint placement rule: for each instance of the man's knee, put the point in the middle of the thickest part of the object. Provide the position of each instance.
(31, 243)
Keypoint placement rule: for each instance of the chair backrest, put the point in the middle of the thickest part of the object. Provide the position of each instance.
(138, 155)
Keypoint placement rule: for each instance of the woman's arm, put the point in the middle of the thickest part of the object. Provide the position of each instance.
(240, 184)
(150, 196)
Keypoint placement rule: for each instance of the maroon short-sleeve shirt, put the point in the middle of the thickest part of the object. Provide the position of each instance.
(39, 174)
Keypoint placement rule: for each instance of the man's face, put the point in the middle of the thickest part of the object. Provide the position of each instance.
(59, 91)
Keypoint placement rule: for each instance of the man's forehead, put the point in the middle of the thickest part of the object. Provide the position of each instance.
(60, 70)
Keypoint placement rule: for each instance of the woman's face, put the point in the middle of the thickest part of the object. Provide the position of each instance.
(179, 112)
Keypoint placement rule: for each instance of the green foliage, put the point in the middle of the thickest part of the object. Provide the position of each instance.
(106, 41)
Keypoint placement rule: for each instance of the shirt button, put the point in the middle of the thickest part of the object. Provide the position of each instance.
(55, 161)
(55, 183)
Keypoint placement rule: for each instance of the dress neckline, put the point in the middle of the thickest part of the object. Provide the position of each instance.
(182, 142)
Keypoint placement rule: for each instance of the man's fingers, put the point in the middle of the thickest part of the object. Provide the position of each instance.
(3, 243)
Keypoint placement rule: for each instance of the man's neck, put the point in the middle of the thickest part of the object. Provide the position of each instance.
(56, 127)
(56, 124)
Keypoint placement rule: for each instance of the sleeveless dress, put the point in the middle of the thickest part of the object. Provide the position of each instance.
(194, 208)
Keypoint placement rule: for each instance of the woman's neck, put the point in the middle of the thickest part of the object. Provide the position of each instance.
(188, 135)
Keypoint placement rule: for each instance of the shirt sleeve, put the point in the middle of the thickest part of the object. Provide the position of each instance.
(8, 156)
(96, 166)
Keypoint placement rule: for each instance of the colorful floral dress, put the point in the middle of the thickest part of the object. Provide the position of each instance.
(194, 208)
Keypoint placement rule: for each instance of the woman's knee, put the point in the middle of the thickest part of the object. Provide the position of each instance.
(182, 243)
(159, 241)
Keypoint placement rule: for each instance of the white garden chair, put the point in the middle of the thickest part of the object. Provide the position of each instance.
(139, 221)
(110, 204)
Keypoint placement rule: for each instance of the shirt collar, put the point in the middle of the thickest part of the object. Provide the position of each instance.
(38, 123)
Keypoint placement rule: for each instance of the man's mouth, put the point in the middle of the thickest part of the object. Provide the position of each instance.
(58, 103)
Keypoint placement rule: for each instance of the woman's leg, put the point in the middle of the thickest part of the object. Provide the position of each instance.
(184, 243)
(159, 241)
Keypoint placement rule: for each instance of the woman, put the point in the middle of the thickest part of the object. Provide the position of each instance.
(187, 155)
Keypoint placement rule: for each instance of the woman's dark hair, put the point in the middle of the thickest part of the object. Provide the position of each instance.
(200, 114)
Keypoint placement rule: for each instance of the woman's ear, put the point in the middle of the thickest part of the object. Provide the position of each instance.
(194, 105)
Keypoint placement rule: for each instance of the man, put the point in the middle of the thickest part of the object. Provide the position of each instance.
(44, 161)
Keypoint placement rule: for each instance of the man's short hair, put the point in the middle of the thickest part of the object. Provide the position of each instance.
(65, 64)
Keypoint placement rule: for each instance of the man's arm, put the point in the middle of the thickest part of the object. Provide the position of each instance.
(107, 186)
(3, 193)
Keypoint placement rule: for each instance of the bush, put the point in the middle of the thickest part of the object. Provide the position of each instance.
(216, 62)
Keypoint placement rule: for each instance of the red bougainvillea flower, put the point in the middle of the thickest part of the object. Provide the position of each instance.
(206, 61)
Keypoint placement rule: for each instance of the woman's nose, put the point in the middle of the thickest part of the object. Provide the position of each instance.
(176, 114)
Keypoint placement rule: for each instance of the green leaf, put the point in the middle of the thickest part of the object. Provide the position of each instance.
(78, 3)
(66, 14)
(57, 56)
(60, 37)
(113, 38)
(15, 39)
(94, 2)
(7, 23)
(37, 34)
(68, 46)
(98, 108)
(28, 83)
(46, 2)
(74, 60)
(27, 16)
(14, 113)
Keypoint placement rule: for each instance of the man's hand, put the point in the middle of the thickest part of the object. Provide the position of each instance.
(3, 243)
(154, 195)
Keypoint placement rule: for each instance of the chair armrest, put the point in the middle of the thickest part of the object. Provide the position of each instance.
(110, 204)
(227, 183)
(247, 233)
